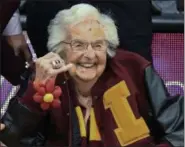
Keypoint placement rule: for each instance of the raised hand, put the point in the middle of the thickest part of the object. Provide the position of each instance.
(49, 66)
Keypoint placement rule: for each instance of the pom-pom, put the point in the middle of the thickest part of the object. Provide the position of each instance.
(37, 98)
(47, 95)
(44, 106)
(48, 98)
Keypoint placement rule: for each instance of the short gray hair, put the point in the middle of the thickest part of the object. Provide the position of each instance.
(58, 26)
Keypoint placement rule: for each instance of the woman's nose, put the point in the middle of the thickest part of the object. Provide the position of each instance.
(90, 53)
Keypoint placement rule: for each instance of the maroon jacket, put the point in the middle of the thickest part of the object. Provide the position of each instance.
(131, 107)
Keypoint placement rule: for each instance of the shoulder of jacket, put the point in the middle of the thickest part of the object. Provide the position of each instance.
(130, 59)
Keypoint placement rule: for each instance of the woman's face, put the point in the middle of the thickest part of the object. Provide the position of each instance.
(87, 50)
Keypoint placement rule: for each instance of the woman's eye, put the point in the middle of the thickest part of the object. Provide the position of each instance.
(78, 45)
(98, 46)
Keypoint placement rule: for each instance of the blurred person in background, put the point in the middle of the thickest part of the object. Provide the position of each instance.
(15, 37)
(14, 49)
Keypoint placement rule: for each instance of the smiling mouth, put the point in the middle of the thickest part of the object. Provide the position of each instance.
(87, 65)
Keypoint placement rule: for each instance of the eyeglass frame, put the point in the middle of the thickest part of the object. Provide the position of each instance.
(86, 45)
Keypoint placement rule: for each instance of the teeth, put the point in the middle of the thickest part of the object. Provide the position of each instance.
(87, 65)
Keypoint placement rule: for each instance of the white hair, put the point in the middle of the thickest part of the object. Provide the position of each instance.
(58, 26)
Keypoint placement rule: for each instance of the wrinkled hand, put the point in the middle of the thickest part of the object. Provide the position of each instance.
(45, 68)
(2, 127)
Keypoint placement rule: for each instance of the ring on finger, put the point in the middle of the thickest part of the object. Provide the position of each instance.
(56, 64)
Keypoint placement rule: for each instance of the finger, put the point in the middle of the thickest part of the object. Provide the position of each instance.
(49, 58)
(41, 62)
(48, 61)
(57, 62)
(17, 52)
(65, 68)
(2, 127)
(43, 73)
(56, 57)
(43, 82)
(27, 55)
(44, 64)
(62, 69)
(58, 51)
(49, 55)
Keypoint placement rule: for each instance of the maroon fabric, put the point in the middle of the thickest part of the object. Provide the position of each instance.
(28, 99)
(124, 66)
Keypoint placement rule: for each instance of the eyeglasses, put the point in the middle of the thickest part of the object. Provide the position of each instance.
(81, 45)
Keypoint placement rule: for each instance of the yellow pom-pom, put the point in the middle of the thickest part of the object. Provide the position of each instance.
(48, 98)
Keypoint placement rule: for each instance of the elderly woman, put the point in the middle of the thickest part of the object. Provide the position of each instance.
(87, 93)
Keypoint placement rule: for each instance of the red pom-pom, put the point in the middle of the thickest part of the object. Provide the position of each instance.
(50, 85)
(37, 98)
(45, 106)
(57, 92)
(56, 103)
(41, 91)
(36, 85)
